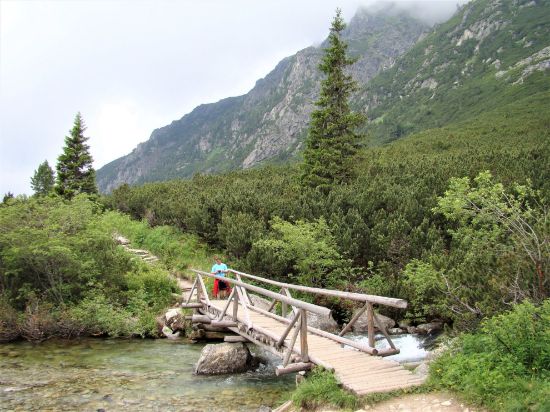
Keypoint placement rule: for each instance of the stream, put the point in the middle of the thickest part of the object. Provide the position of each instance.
(114, 375)
(154, 375)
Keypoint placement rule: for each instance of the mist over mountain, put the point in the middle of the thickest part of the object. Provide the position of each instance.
(412, 77)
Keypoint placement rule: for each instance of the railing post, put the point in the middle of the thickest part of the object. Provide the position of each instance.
(198, 289)
(303, 335)
(283, 305)
(235, 303)
(370, 324)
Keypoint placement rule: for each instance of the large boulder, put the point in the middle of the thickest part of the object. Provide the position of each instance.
(217, 359)
(361, 324)
(326, 323)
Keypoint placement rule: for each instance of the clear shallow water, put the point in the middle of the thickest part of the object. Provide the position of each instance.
(411, 346)
(115, 375)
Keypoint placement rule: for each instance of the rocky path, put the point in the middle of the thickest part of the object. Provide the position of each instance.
(427, 402)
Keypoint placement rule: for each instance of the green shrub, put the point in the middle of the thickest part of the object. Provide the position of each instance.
(321, 388)
(506, 366)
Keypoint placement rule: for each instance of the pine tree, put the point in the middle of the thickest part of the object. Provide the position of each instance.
(332, 141)
(75, 173)
(43, 179)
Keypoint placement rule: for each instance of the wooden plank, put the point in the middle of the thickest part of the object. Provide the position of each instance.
(350, 375)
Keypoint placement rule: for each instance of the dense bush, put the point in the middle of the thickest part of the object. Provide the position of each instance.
(506, 366)
(62, 273)
(382, 227)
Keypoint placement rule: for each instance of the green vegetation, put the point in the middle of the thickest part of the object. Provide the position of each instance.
(75, 173)
(441, 81)
(384, 232)
(506, 365)
(62, 273)
(43, 179)
(320, 388)
(332, 141)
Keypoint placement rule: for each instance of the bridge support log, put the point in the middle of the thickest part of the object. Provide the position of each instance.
(200, 319)
(223, 323)
(319, 332)
(235, 339)
(292, 368)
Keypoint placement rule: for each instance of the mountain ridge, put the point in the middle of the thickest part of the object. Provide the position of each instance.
(269, 121)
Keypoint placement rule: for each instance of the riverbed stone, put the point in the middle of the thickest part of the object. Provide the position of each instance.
(175, 320)
(222, 358)
(396, 331)
(428, 328)
(361, 325)
(326, 323)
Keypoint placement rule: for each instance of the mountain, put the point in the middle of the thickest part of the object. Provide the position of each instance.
(489, 54)
(270, 121)
(412, 78)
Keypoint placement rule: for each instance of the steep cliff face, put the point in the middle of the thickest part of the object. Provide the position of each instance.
(270, 122)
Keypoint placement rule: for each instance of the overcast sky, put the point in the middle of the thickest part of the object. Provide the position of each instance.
(132, 66)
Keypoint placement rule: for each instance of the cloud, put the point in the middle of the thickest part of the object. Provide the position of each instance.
(132, 66)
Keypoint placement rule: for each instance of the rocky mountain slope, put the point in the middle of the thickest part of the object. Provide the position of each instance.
(489, 54)
(269, 122)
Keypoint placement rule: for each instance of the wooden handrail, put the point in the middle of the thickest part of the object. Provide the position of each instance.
(381, 300)
(319, 310)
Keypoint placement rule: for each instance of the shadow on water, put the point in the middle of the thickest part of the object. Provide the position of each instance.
(112, 375)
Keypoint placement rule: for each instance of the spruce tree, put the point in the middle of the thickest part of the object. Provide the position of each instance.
(332, 140)
(43, 179)
(75, 173)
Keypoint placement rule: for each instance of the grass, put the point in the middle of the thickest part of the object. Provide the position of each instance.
(321, 388)
(177, 250)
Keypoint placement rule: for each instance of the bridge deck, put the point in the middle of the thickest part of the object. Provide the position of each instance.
(357, 371)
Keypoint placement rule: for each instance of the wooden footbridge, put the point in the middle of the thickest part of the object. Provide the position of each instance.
(359, 368)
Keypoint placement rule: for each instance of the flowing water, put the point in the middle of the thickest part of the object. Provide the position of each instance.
(153, 375)
(114, 375)
(412, 347)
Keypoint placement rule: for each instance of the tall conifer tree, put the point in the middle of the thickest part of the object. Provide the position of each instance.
(75, 173)
(43, 179)
(332, 140)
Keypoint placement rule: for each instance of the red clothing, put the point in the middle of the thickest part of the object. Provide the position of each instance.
(216, 288)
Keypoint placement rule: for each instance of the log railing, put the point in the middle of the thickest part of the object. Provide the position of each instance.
(296, 324)
(369, 300)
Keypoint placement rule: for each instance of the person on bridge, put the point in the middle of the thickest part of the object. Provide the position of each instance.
(221, 288)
